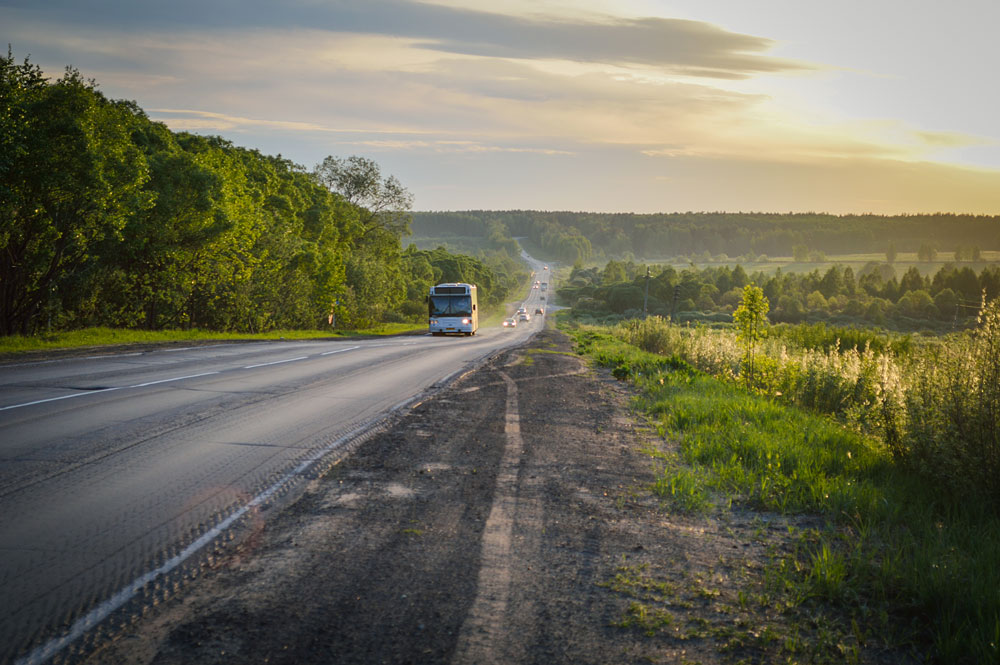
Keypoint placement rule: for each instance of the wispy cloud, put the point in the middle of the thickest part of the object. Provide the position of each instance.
(675, 45)
(477, 93)
(189, 118)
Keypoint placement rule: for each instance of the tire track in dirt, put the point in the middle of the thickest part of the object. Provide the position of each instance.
(484, 622)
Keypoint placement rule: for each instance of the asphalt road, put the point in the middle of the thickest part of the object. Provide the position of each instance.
(116, 471)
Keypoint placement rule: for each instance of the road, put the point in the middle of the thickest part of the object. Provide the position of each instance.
(119, 471)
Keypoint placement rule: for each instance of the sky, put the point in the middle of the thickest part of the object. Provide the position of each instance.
(853, 106)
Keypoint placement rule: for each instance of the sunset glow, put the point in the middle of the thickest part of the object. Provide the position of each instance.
(636, 106)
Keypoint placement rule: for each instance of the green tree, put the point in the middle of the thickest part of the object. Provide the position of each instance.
(912, 281)
(70, 177)
(614, 272)
(946, 302)
(384, 201)
(751, 325)
(891, 253)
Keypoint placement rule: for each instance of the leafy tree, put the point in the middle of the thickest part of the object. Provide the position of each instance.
(891, 253)
(71, 177)
(946, 302)
(832, 283)
(917, 304)
(912, 281)
(751, 324)
(926, 253)
(384, 200)
(816, 302)
(614, 272)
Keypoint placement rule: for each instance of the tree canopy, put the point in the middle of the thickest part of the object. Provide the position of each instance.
(109, 218)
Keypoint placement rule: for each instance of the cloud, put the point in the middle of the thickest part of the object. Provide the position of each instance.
(674, 45)
(949, 139)
(188, 118)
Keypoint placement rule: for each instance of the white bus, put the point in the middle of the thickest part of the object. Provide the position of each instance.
(452, 308)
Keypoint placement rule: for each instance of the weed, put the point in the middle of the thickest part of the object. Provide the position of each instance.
(900, 550)
(647, 619)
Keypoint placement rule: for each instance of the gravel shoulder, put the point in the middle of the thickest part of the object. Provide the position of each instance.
(506, 520)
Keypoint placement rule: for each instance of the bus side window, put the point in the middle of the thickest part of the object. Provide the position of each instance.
(473, 307)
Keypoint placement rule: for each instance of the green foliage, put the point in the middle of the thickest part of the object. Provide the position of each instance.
(821, 337)
(897, 554)
(751, 324)
(704, 235)
(945, 301)
(951, 433)
(71, 178)
(109, 219)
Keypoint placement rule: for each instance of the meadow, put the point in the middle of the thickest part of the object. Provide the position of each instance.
(896, 450)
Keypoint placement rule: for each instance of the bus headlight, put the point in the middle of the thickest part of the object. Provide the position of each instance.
(466, 321)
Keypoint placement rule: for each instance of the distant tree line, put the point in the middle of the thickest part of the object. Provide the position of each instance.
(108, 218)
(876, 295)
(571, 236)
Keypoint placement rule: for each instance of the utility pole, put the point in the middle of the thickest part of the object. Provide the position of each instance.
(645, 298)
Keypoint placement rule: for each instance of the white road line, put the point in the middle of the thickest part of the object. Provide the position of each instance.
(176, 378)
(56, 399)
(276, 362)
(153, 383)
(330, 353)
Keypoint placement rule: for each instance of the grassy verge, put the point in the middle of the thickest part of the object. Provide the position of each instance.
(896, 565)
(96, 337)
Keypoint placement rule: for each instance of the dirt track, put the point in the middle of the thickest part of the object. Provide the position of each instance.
(507, 520)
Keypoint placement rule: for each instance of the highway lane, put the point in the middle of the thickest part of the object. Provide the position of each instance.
(117, 470)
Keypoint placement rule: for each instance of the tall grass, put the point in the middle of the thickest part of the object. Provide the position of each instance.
(905, 560)
(936, 406)
(822, 337)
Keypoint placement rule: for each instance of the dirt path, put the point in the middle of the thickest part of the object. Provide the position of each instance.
(507, 520)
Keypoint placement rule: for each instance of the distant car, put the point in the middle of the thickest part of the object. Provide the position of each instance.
(510, 323)
(539, 310)
(524, 316)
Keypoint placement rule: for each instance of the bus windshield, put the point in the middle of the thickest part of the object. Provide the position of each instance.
(451, 305)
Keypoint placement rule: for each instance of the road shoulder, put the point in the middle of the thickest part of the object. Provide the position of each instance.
(446, 540)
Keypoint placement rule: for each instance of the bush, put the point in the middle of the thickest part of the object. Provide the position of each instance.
(653, 334)
(952, 432)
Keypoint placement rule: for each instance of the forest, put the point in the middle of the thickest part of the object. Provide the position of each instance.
(579, 236)
(110, 219)
(949, 299)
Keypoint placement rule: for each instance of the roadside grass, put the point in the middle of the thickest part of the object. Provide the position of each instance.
(96, 337)
(898, 564)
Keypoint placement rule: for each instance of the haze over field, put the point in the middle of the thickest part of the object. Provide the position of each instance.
(634, 105)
